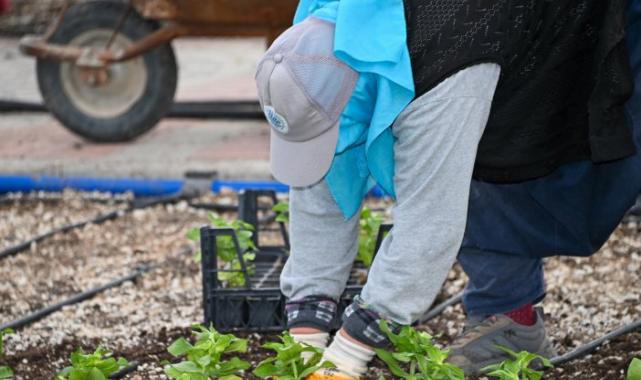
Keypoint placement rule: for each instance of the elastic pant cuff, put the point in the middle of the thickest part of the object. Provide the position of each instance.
(317, 312)
(363, 324)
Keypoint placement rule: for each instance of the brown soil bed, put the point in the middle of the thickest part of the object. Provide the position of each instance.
(587, 296)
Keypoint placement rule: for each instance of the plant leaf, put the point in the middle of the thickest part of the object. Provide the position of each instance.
(180, 347)
(634, 371)
(5, 372)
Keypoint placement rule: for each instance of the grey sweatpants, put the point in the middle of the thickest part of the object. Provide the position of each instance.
(437, 139)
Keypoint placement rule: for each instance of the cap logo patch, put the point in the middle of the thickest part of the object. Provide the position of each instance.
(275, 120)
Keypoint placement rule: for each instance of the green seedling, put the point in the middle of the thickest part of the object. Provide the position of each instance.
(415, 357)
(97, 366)
(634, 371)
(5, 372)
(370, 223)
(293, 360)
(226, 249)
(517, 368)
(282, 212)
(205, 359)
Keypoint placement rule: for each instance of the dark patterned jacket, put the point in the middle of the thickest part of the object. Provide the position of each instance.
(565, 77)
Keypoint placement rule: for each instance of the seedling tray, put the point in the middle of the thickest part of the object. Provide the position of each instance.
(258, 306)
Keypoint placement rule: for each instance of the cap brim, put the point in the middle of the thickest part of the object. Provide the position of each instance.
(301, 164)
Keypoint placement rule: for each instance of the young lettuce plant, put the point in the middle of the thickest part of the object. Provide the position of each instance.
(517, 368)
(289, 362)
(370, 223)
(416, 357)
(5, 371)
(634, 371)
(97, 366)
(204, 359)
(227, 250)
(282, 212)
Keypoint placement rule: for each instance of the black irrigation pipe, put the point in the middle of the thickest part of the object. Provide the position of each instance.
(243, 109)
(593, 345)
(136, 204)
(131, 368)
(11, 251)
(438, 309)
(39, 314)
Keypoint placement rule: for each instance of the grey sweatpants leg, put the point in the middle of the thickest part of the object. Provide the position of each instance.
(437, 138)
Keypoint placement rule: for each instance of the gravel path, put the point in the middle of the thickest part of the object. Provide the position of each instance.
(587, 296)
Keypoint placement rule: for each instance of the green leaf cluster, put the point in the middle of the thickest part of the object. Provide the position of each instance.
(227, 250)
(517, 368)
(370, 223)
(293, 360)
(204, 359)
(97, 366)
(634, 371)
(5, 372)
(282, 212)
(416, 357)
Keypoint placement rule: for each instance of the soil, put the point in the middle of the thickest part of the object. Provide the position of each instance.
(587, 297)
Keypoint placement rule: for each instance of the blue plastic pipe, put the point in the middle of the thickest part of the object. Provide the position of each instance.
(140, 187)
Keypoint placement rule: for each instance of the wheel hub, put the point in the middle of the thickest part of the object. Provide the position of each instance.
(105, 92)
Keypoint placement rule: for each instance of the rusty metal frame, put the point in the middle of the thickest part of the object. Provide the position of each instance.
(220, 18)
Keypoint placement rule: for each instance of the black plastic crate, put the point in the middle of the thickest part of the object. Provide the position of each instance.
(259, 305)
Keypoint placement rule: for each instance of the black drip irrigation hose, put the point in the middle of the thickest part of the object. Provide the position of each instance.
(242, 109)
(131, 368)
(593, 345)
(11, 251)
(39, 314)
(438, 309)
(136, 204)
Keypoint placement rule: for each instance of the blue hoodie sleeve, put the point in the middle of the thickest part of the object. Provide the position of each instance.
(370, 38)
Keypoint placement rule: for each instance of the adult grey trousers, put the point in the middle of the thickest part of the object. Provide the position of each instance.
(437, 137)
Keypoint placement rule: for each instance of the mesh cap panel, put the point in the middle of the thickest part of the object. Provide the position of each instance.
(307, 51)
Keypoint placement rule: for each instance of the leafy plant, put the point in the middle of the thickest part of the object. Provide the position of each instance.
(226, 249)
(370, 223)
(5, 372)
(416, 357)
(289, 362)
(204, 359)
(517, 368)
(634, 371)
(282, 212)
(97, 366)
